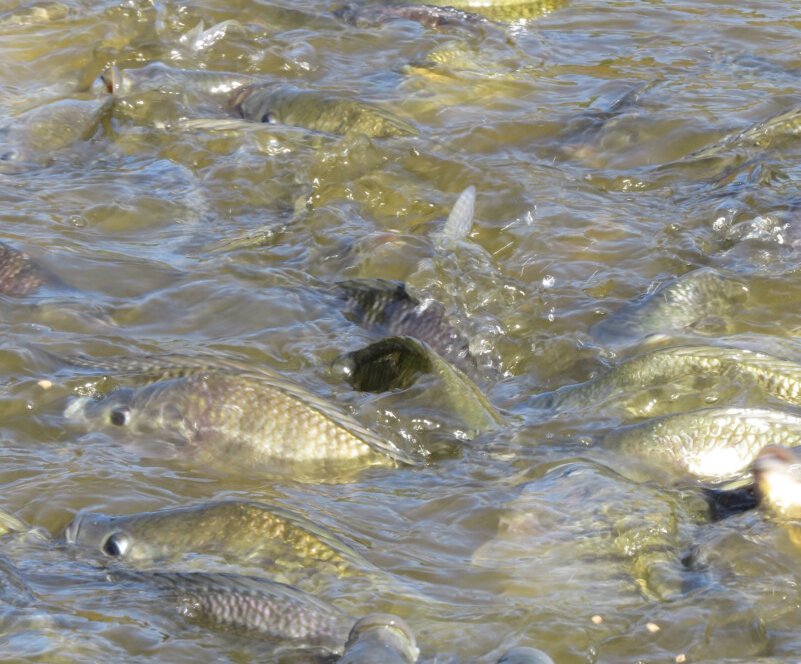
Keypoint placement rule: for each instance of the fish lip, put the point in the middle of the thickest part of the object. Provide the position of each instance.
(74, 411)
(73, 528)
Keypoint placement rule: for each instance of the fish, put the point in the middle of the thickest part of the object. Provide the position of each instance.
(250, 605)
(396, 362)
(215, 408)
(776, 377)
(523, 655)
(387, 307)
(506, 10)
(777, 480)
(380, 637)
(237, 530)
(699, 298)
(277, 103)
(19, 273)
(711, 444)
(429, 16)
(32, 137)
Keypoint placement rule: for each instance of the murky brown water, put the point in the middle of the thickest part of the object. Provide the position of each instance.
(596, 136)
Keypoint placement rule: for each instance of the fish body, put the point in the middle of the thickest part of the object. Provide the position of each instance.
(713, 444)
(695, 298)
(19, 274)
(522, 655)
(239, 531)
(317, 111)
(380, 637)
(776, 377)
(506, 10)
(429, 16)
(252, 416)
(387, 308)
(252, 605)
(396, 362)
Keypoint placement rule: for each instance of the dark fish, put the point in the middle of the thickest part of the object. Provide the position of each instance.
(19, 274)
(387, 308)
(523, 655)
(239, 531)
(219, 408)
(252, 605)
(396, 362)
(429, 16)
(380, 638)
(318, 111)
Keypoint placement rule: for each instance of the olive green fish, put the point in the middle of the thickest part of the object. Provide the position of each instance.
(777, 480)
(386, 307)
(248, 604)
(19, 274)
(219, 408)
(429, 16)
(380, 638)
(776, 377)
(318, 111)
(396, 362)
(694, 299)
(239, 531)
(712, 444)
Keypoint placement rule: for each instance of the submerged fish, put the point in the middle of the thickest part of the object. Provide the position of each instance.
(37, 133)
(396, 362)
(776, 377)
(248, 604)
(318, 111)
(521, 655)
(239, 531)
(387, 308)
(429, 16)
(250, 414)
(713, 444)
(506, 10)
(777, 478)
(699, 298)
(380, 638)
(19, 274)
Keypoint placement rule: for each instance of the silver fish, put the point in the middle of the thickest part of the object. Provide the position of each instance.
(713, 444)
(380, 638)
(214, 408)
(696, 298)
(522, 655)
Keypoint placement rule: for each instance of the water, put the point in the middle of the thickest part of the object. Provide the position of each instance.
(172, 234)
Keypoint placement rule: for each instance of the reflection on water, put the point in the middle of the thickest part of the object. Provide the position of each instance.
(618, 151)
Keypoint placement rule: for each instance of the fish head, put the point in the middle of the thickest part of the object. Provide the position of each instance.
(523, 655)
(108, 536)
(114, 409)
(378, 633)
(777, 476)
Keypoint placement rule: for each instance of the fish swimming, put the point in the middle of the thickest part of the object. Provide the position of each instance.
(777, 480)
(429, 16)
(245, 414)
(317, 111)
(19, 274)
(380, 638)
(239, 531)
(522, 655)
(712, 444)
(697, 298)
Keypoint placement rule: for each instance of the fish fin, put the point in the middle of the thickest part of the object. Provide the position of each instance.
(460, 220)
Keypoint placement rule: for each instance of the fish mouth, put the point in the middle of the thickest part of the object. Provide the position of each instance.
(76, 409)
(73, 528)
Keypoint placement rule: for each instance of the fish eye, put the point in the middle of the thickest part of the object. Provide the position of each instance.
(270, 118)
(119, 416)
(116, 545)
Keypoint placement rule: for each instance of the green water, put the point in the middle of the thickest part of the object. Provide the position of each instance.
(604, 143)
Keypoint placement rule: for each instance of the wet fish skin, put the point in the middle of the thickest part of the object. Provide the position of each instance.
(386, 307)
(317, 111)
(19, 274)
(380, 637)
(684, 303)
(712, 444)
(248, 604)
(429, 16)
(523, 655)
(777, 480)
(396, 362)
(223, 409)
(244, 531)
(506, 10)
(776, 377)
